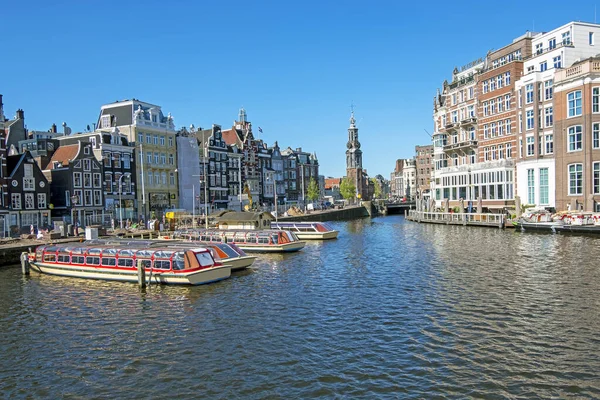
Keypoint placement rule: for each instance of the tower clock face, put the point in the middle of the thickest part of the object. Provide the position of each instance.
(15, 183)
(42, 184)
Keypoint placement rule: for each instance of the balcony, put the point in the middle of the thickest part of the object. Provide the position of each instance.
(461, 146)
(461, 82)
(468, 121)
(450, 126)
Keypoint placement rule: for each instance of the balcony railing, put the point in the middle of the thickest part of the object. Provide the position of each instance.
(469, 121)
(466, 144)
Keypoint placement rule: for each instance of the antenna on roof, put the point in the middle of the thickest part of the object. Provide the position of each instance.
(427, 133)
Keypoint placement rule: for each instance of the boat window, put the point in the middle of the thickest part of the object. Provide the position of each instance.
(263, 239)
(64, 258)
(126, 252)
(77, 259)
(275, 238)
(51, 249)
(163, 254)
(227, 250)
(145, 253)
(162, 264)
(145, 263)
(78, 250)
(109, 261)
(239, 237)
(49, 257)
(205, 259)
(92, 260)
(178, 261)
(94, 251)
(251, 237)
(125, 262)
(111, 252)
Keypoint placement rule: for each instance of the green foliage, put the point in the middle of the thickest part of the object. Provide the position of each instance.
(313, 190)
(347, 189)
(377, 185)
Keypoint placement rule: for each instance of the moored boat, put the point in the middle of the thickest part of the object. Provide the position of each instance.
(170, 265)
(265, 241)
(229, 254)
(307, 230)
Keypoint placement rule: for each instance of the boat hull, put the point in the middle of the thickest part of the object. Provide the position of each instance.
(273, 248)
(199, 277)
(239, 263)
(316, 235)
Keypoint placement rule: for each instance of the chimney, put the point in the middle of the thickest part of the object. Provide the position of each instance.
(20, 114)
(53, 129)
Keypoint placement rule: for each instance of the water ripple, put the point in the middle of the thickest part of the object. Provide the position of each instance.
(389, 310)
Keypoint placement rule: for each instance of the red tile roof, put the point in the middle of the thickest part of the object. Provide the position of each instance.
(332, 182)
(63, 154)
(231, 137)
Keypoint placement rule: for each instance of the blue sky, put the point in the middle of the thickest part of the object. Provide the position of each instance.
(294, 66)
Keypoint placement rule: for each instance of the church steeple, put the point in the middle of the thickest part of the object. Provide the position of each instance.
(354, 153)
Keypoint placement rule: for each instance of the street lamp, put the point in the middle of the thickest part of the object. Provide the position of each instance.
(74, 201)
(120, 200)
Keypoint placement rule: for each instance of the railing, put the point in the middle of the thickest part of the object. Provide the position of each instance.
(463, 144)
(485, 219)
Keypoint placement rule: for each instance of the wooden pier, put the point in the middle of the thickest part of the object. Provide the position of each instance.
(470, 219)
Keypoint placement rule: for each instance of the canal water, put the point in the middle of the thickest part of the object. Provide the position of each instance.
(391, 309)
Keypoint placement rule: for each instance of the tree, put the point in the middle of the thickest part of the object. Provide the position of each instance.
(347, 189)
(313, 190)
(377, 186)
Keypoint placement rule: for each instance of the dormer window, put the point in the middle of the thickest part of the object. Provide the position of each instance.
(105, 121)
(86, 150)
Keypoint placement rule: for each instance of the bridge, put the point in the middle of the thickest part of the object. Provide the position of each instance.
(398, 207)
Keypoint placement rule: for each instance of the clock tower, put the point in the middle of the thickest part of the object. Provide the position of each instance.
(354, 170)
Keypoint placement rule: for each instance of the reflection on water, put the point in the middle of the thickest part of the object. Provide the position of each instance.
(390, 309)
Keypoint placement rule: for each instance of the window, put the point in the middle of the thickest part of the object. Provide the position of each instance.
(549, 119)
(530, 187)
(87, 180)
(162, 140)
(141, 137)
(549, 139)
(106, 159)
(530, 147)
(77, 179)
(116, 160)
(596, 170)
(149, 158)
(156, 158)
(15, 201)
(148, 138)
(492, 84)
(575, 179)
(163, 177)
(157, 178)
(596, 99)
(170, 142)
(485, 109)
(156, 140)
(485, 86)
(28, 183)
(87, 197)
(596, 135)
(507, 78)
(86, 149)
(29, 204)
(150, 178)
(552, 43)
(107, 182)
(574, 103)
(41, 197)
(507, 102)
(544, 186)
(97, 198)
(529, 120)
(566, 38)
(105, 121)
(163, 158)
(529, 93)
(171, 159)
(508, 150)
(171, 178)
(574, 138)
(126, 161)
(538, 48)
(507, 126)
(557, 61)
(543, 66)
(548, 90)
(591, 38)
(87, 164)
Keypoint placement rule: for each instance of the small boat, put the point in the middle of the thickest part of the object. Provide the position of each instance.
(307, 230)
(229, 254)
(170, 265)
(265, 241)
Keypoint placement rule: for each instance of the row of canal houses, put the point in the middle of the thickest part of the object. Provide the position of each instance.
(135, 165)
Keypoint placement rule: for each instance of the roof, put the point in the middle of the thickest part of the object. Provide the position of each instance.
(231, 137)
(235, 216)
(331, 182)
(63, 155)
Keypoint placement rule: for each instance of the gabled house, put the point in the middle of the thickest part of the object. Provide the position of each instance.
(29, 192)
(77, 193)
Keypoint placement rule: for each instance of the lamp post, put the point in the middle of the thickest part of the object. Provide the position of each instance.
(120, 199)
(302, 173)
(74, 201)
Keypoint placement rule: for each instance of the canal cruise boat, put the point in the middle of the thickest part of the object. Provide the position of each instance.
(229, 254)
(264, 241)
(306, 230)
(169, 265)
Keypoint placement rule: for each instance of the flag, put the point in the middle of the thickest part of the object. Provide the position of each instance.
(260, 129)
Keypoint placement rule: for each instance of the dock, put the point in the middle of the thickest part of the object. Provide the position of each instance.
(466, 219)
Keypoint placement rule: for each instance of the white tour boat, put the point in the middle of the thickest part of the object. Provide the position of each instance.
(265, 241)
(172, 265)
(306, 230)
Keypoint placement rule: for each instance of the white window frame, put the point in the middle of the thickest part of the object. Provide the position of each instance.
(574, 105)
(574, 138)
